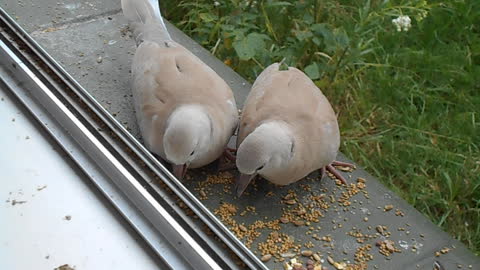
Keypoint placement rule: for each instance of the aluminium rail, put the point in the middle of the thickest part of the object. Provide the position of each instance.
(174, 233)
(84, 118)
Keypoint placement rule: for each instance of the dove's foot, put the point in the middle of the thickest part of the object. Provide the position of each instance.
(230, 153)
(227, 160)
(330, 167)
(343, 164)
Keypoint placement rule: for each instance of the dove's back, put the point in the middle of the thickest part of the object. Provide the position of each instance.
(290, 97)
(167, 76)
(146, 20)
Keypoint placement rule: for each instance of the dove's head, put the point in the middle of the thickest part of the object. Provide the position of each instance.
(187, 137)
(265, 151)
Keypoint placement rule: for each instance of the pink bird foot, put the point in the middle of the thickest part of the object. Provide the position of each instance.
(330, 167)
(227, 160)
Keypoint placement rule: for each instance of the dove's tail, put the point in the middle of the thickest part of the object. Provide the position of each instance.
(146, 18)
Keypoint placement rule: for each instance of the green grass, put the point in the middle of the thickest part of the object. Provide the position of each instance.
(408, 102)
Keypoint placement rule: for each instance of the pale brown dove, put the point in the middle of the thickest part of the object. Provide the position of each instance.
(287, 130)
(185, 111)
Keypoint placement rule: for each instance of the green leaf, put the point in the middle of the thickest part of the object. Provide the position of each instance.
(278, 4)
(227, 27)
(207, 17)
(247, 47)
(258, 37)
(308, 18)
(243, 49)
(341, 37)
(239, 33)
(324, 30)
(303, 35)
(312, 71)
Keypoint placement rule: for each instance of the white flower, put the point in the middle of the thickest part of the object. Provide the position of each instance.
(402, 23)
(216, 3)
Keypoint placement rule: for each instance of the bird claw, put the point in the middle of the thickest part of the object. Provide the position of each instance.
(322, 173)
(334, 171)
(343, 164)
(230, 153)
(227, 160)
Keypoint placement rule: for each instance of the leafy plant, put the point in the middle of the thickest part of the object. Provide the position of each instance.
(408, 101)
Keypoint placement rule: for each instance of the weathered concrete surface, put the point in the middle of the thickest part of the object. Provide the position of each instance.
(34, 14)
(92, 44)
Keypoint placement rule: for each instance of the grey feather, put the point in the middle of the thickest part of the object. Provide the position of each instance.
(146, 21)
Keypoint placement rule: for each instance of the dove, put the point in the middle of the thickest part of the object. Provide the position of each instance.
(287, 130)
(185, 111)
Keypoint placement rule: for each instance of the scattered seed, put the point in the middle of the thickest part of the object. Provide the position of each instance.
(388, 207)
(243, 228)
(297, 266)
(231, 208)
(64, 267)
(399, 212)
(14, 202)
(445, 250)
(389, 246)
(290, 202)
(301, 212)
(287, 255)
(340, 266)
(299, 222)
(266, 257)
(307, 253)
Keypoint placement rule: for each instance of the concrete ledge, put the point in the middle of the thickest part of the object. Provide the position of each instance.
(91, 42)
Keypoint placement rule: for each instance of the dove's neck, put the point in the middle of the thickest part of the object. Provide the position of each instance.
(188, 134)
(269, 147)
(191, 117)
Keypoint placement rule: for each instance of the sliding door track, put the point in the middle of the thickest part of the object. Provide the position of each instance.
(75, 117)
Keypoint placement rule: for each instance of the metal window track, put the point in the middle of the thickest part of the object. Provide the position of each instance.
(33, 76)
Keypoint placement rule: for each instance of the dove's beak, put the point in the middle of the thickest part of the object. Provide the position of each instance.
(180, 170)
(242, 182)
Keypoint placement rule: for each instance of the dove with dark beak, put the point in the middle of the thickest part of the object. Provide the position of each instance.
(185, 111)
(179, 171)
(288, 129)
(242, 182)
